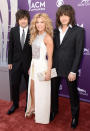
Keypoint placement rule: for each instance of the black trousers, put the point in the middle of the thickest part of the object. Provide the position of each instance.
(15, 76)
(73, 93)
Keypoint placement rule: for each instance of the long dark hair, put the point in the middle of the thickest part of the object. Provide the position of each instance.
(21, 14)
(65, 10)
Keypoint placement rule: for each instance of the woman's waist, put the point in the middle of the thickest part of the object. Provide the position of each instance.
(42, 58)
(39, 61)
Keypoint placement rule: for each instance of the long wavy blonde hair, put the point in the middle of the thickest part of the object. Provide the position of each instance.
(33, 29)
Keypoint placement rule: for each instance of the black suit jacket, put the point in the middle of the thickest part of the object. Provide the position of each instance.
(17, 55)
(67, 56)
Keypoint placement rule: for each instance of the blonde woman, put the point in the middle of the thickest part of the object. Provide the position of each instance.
(39, 91)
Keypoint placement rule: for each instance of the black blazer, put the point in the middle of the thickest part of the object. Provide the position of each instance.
(17, 56)
(67, 56)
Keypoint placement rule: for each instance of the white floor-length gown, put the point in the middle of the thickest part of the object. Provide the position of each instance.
(42, 89)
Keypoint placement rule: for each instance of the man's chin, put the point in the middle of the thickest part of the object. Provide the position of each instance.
(23, 26)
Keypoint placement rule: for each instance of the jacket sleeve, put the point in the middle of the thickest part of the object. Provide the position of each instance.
(10, 48)
(79, 46)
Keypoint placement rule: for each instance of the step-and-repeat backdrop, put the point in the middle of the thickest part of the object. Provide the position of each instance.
(8, 9)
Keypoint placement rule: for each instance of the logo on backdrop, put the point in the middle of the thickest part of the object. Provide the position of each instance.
(84, 3)
(39, 5)
(59, 3)
(79, 72)
(29, 4)
(82, 91)
(80, 25)
(86, 51)
(60, 87)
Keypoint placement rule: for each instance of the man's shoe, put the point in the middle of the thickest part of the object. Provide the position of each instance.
(74, 123)
(52, 115)
(12, 109)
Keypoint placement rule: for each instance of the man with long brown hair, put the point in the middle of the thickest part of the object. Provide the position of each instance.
(68, 51)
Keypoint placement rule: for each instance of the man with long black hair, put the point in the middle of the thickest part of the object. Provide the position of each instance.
(68, 51)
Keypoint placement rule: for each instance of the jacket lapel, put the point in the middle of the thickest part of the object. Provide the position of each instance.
(57, 38)
(18, 37)
(69, 31)
(27, 37)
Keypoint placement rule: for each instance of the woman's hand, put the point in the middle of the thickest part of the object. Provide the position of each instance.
(48, 75)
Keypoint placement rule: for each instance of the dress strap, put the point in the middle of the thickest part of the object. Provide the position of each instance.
(43, 35)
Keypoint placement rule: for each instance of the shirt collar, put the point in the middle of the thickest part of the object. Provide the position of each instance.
(25, 29)
(60, 29)
(70, 25)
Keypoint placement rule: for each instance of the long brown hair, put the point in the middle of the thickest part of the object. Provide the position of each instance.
(65, 10)
(21, 14)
